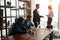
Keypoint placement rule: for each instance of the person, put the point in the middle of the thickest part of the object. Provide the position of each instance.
(28, 24)
(17, 27)
(36, 16)
(50, 15)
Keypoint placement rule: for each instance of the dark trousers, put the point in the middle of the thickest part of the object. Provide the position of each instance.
(36, 25)
(49, 21)
(50, 26)
(51, 36)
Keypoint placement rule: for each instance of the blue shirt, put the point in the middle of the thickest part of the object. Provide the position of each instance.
(28, 24)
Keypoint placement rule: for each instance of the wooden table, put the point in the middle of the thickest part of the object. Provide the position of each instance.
(42, 33)
(39, 34)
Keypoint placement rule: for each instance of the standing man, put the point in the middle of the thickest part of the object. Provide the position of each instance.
(36, 16)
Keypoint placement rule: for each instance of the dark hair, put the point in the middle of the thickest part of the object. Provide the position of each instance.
(29, 16)
(37, 4)
(19, 20)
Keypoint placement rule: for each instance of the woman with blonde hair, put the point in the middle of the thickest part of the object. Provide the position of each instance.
(50, 15)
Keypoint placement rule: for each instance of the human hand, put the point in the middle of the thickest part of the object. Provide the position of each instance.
(31, 32)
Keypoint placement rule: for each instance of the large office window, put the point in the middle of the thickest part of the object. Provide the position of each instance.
(12, 14)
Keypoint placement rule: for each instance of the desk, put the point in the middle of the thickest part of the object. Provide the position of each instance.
(42, 33)
(39, 34)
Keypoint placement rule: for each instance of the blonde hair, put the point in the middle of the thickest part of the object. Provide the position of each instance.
(49, 7)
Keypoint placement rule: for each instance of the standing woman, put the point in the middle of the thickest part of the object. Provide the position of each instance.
(50, 15)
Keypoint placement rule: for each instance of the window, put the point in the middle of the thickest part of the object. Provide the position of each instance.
(12, 14)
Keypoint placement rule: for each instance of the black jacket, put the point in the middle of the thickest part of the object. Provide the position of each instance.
(36, 16)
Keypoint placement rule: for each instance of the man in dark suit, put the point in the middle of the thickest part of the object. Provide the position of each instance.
(36, 16)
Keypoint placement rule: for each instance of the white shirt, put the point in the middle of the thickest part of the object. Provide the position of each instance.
(50, 14)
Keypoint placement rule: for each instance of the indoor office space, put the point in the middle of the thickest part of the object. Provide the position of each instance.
(29, 19)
